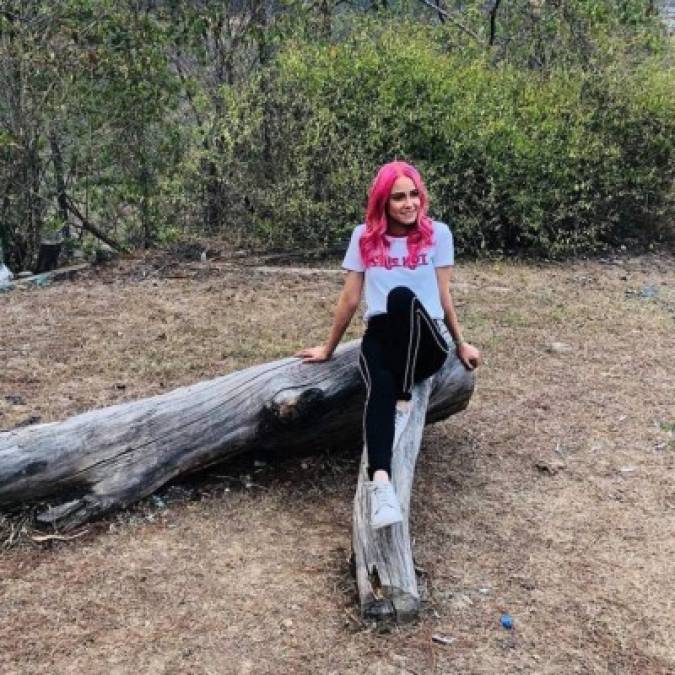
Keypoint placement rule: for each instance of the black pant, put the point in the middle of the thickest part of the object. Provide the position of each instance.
(398, 350)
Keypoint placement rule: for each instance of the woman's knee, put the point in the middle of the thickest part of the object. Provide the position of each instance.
(399, 300)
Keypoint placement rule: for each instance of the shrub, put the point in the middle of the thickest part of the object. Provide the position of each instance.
(551, 163)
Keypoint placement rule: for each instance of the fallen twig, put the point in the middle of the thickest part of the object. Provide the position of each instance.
(57, 537)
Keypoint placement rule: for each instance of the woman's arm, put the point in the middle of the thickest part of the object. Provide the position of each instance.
(347, 305)
(467, 353)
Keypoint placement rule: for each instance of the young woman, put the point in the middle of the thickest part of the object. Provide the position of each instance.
(405, 260)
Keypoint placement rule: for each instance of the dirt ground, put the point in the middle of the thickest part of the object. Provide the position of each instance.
(552, 497)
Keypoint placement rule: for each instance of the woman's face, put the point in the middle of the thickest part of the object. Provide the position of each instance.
(403, 204)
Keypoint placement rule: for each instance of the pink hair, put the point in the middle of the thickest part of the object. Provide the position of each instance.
(373, 243)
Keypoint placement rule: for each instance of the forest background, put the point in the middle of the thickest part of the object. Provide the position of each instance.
(543, 127)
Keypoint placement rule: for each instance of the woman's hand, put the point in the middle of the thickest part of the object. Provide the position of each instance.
(468, 355)
(314, 354)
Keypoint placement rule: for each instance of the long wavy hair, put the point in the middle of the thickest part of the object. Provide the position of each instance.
(373, 243)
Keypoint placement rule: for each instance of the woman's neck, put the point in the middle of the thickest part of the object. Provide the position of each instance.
(398, 230)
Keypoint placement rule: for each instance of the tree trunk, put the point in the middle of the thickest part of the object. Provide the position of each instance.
(57, 161)
(382, 559)
(326, 14)
(110, 458)
(33, 195)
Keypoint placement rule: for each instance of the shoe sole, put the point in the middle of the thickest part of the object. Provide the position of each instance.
(385, 524)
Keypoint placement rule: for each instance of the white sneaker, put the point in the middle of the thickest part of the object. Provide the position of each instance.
(384, 507)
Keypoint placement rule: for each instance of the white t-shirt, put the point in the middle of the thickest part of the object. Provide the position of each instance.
(392, 272)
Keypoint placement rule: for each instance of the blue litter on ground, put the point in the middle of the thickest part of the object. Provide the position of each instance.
(507, 621)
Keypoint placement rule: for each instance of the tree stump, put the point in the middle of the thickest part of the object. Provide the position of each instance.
(48, 256)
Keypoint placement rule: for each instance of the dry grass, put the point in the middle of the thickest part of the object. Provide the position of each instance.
(552, 497)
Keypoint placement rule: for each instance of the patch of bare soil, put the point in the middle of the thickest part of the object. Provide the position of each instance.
(551, 498)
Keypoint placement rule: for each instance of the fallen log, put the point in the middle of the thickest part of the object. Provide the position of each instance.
(382, 559)
(109, 458)
(59, 274)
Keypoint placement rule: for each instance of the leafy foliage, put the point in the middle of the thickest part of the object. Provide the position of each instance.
(554, 162)
(540, 126)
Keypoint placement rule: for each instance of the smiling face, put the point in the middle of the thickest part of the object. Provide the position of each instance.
(403, 204)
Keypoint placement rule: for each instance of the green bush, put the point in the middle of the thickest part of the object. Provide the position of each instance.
(551, 163)
(551, 133)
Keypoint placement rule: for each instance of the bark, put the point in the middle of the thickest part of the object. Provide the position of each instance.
(383, 560)
(109, 458)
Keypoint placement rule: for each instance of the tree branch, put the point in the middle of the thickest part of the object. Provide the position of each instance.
(451, 19)
(92, 228)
